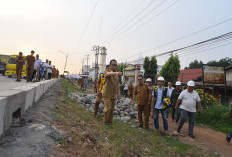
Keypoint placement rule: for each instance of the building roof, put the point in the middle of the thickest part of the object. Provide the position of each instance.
(189, 74)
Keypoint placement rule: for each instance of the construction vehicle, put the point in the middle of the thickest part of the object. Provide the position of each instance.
(11, 67)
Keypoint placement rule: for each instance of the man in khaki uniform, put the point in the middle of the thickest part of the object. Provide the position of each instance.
(110, 89)
(99, 89)
(30, 66)
(130, 91)
(143, 99)
(19, 66)
(53, 72)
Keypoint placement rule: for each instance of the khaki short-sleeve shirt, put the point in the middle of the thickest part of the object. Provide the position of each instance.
(110, 86)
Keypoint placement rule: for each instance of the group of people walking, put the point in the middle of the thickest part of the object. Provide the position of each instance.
(35, 68)
(150, 100)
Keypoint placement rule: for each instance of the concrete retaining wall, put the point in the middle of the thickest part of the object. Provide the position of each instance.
(14, 102)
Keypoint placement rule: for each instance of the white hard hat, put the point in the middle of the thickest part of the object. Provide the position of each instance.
(178, 83)
(191, 83)
(160, 78)
(148, 80)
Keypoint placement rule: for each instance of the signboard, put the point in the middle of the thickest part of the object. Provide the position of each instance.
(129, 73)
(213, 74)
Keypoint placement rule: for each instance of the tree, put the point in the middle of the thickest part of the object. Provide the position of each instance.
(150, 68)
(120, 67)
(195, 64)
(222, 62)
(171, 69)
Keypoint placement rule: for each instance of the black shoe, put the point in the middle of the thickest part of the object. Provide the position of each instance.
(147, 128)
(140, 126)
(228, 138)
(178, 129)
(191, 135)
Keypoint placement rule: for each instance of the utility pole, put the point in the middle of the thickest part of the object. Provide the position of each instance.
(65, 61)
(96, 49)
(87, 57)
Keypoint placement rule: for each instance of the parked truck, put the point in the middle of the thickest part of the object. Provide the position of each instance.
(11, 67)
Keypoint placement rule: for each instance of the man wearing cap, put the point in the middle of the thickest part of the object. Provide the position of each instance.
(143, 95)
(30, 66)
(175, 94)
(188, 99)
(149, 84)
(158, 96)
(19, 65)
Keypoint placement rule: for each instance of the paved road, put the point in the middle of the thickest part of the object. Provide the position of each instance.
(8, 83)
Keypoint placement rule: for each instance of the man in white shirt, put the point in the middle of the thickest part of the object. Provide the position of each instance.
(188, 99)
(125, 89)
(37, 66)
(45, 65)
(49, 70)
(169, 93)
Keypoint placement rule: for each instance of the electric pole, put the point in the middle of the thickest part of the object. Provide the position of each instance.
(87, 58)
(96, 49)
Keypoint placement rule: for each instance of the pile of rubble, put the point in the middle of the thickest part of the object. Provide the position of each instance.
(122, 111)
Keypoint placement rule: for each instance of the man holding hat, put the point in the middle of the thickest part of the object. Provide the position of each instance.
(158, 96)
(175, 94)
(188, 99)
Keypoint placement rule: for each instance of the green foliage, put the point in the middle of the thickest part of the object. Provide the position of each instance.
(150, 68)
(120, 67)
(209, 99)
(216, 117)
(222, 62)
(171, 69)
(195, 64)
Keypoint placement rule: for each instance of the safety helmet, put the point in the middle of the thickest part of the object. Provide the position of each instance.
(191, 83)
(160, 78)
(167, 103)
(178, 83)
(148, 80)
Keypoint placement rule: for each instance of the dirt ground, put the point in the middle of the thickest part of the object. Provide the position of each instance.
(33, 135)
(206, 138)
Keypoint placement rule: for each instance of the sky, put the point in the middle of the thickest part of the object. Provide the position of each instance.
(129, 29)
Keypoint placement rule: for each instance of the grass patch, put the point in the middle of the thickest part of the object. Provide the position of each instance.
(216, 117)
(70, 88)
(92, 138)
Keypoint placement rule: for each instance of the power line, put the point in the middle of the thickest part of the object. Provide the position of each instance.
(140, 19)
(132, 19)
(224, 37)
(183, 37)
(124, 20)
(90, 17)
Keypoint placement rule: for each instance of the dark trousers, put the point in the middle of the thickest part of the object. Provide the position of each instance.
(178, 113)
(164, 117)
(49, 76)
(184, 115)
(125, 93)
(30, 71)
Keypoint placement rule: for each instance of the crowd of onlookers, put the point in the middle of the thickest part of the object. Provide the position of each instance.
(35, 68)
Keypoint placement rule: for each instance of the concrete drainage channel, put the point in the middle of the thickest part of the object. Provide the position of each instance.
(14, 102)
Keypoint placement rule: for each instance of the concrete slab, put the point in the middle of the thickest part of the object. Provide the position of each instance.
(2, 112)
(14, 101)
